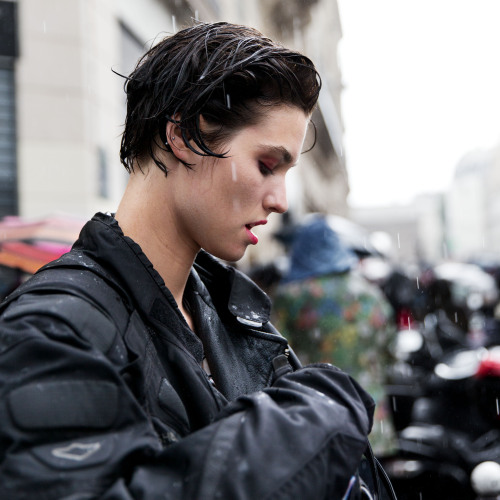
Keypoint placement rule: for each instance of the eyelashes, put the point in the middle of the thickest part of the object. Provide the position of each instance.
(264, 169)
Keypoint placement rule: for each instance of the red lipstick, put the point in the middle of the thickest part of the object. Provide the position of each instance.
(253, 239)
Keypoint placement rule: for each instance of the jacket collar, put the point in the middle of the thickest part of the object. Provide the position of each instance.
(245, 300)
(104, 240)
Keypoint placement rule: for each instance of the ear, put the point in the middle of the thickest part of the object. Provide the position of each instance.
(177, 144)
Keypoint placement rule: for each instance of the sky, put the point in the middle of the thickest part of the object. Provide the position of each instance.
(421, 89)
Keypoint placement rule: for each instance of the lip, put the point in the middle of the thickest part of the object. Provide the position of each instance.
(248, 227)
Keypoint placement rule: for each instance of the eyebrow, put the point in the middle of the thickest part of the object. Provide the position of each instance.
(279, 151)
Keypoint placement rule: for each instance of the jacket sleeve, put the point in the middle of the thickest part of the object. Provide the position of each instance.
(71, 427)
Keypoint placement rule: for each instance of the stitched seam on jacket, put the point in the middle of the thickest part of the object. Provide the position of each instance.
(217, 456)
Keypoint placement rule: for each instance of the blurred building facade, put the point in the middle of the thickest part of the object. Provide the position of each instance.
(63, 107)
(399, 222)
(466, 229)
(461, 223)
(8, 150)
(492, 207)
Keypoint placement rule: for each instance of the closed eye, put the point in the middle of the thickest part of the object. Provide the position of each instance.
(264, 169)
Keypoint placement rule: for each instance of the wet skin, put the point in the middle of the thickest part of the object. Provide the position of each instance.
(219, 201)
(215, 204)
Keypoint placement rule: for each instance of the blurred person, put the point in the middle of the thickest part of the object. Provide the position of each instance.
(139, 365)
(266, 276)
(330, 313)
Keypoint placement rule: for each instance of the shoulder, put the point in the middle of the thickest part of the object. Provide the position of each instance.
(62, 302)
(59, 317)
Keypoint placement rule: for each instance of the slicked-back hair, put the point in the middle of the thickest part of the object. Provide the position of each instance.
(228, 74)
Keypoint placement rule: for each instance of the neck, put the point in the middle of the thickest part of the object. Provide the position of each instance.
(144, 214)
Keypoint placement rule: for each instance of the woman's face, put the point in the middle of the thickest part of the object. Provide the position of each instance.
(219, 201)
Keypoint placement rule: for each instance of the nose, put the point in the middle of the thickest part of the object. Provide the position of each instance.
(275, 199)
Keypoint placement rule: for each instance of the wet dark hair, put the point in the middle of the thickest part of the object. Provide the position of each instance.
(225, 73)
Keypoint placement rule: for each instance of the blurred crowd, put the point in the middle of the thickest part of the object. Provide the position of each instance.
(342, 300)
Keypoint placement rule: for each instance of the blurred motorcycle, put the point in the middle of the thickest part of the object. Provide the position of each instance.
(444, 396)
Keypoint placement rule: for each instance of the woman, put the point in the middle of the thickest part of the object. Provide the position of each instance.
(138, 365)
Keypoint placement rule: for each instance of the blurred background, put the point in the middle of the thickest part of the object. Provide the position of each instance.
(405, 173)
(407, 125)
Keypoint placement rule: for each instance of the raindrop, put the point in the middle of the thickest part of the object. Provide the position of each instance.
(44, 27)
(236, 205)
(228, 101)
(233, 171)
(382, 426)
(399, 242)
(456, 317)
(409, 323)
(445, 251)
(296, 31)
(174, 27)
(498, 408)
(196, 15)
(243, 466)
(394, 405)
(418, 285)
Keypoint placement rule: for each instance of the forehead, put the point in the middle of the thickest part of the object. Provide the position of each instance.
(280, 131)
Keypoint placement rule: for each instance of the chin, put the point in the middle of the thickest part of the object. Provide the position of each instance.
(227, 255)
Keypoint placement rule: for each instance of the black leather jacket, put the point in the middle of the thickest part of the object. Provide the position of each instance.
(102, 392)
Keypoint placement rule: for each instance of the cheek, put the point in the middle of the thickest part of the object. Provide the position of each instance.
(230, 192)
(232, 187)
(245, 187)
(243, 196)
